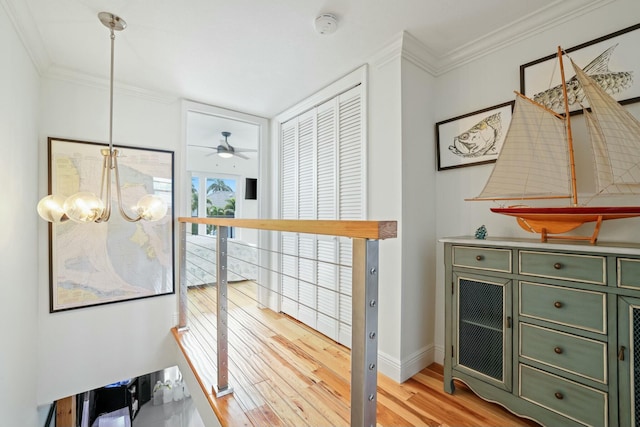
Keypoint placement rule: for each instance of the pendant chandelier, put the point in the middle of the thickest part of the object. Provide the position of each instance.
(84, 207)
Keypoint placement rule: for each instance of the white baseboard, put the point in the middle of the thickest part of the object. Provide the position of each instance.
(402, 371)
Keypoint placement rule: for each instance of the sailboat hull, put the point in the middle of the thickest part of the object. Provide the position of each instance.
(556, 220)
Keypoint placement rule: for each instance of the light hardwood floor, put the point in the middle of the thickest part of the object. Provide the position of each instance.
(286, 374)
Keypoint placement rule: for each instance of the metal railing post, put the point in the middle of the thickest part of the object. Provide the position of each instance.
(222, 313)
(364, 333)
(182, 281)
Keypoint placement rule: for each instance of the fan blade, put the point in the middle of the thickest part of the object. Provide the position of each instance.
(202, 146)
(242, 156)
(245, 150)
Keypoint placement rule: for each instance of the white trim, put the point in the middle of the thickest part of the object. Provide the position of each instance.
(354, 78)
(76, 78)
(402, 370)
(264, 150)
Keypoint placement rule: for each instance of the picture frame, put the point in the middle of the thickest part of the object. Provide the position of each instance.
(474, 138)
(101, 263)
(616, 52)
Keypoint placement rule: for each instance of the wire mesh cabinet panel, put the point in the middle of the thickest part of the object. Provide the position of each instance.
(629, 360)
(482, 332)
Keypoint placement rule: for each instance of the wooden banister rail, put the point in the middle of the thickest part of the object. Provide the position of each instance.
(378, 230)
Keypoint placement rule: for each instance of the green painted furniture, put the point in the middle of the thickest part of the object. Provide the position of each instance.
(548, 330)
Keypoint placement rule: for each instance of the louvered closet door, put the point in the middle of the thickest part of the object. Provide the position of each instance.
(326, 209)
(351, 194)
(327, 161)
(307, 293)
(289, 210)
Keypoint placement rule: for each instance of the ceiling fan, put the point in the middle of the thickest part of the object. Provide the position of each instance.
(226, 150)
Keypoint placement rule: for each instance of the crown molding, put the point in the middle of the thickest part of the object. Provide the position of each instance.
(20, 16)
(554, 14)
(416, 52)
(392, 50)
(71, 76)
(410, 48)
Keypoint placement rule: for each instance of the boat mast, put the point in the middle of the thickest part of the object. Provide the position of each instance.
(572, 163)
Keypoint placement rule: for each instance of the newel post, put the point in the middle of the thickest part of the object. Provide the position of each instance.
(364, 333)
(222, 313)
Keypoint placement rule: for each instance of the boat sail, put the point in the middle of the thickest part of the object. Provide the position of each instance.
(537, 162)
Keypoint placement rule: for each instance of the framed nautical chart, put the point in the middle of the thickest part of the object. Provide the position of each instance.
(93, 264)
(474, 138)
(611, 60)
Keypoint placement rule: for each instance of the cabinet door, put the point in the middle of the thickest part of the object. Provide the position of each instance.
(482, 340)
(629, 360)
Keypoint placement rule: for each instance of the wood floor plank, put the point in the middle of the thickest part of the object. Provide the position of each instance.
(286, 374)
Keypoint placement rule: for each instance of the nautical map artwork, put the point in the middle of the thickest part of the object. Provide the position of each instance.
(473, 138)
(94, 264)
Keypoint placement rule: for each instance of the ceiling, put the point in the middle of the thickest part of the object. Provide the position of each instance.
(263, 56)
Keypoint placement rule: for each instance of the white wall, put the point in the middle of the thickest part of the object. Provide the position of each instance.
(19, 86)
(489, 81)
(385, 200)
(418, 219)
(86, 348)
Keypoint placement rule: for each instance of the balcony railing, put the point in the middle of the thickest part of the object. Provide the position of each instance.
(216, 262)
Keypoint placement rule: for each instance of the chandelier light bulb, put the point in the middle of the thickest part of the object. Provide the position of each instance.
(83, 207)
(50, 208)
(151, 208)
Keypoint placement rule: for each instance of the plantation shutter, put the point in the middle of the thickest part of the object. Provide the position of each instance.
(322, 169)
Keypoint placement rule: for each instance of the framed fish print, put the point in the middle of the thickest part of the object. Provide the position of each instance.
(474, 138)
(611, 60)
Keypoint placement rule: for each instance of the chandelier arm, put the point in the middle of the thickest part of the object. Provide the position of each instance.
(106, 173)
(122, 212)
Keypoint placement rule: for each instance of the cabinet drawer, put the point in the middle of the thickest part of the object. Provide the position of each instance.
(576, 401)
(571, 307)
(571, 353)
(482, 258)
(629, 273)
(581, 268)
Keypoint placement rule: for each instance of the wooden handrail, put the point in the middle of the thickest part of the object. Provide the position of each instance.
(354, 229)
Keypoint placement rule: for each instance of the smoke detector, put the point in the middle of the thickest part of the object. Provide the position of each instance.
(326, 23)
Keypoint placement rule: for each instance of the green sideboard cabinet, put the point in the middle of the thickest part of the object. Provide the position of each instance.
(548, 330)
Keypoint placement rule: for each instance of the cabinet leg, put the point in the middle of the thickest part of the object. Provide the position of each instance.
(449, 387)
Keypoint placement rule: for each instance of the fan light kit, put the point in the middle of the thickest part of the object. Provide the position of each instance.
(326, 23)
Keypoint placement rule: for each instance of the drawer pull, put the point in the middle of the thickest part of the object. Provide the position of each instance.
(559, 395)
(621, 352)
(558, 350)
(557, 266)
(479, 257)
(557, 304)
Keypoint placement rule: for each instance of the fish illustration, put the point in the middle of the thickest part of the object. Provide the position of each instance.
(480, 139)
(598, 69)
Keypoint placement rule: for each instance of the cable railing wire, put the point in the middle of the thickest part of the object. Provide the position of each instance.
(277, 293)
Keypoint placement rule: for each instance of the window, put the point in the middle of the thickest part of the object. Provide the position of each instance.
(213, 197)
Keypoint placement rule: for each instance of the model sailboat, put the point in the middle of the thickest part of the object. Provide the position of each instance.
(537, 162)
